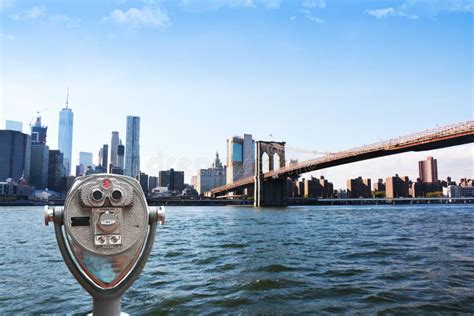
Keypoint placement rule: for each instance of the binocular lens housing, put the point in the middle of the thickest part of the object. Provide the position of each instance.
(116, 195)
(97, 195)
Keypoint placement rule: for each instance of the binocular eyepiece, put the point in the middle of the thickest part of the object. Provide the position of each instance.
(105, 233)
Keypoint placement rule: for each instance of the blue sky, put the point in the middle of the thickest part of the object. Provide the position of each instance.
(323, 75)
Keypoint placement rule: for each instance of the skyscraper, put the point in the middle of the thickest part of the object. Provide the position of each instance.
(152, 183)
(85, 159)
(66, 118)
(104, 157)
(240, 157)
(56, 170)
(120, 155)
(172, 179)
(38, 131)
(39, 156)
(39, 165)
(14, 126)
(15, 151)
(428, 170)
(114, 142)
(144, 182)
(132, 150)
(118, 167)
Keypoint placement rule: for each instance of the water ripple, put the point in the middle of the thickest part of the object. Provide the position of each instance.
(394, 259)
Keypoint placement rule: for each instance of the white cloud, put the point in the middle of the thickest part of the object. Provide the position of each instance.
(413, 9)
(5, 4)
(146, 16)
(434, 7)
(33, 13)
(311, 17)
(292, 18)
(314, 4)
(387, 12)
(214, 5)
(271, 4)
(41, 15)
(64, 20)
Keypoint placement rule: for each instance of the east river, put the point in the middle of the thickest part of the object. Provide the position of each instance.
(217, 260)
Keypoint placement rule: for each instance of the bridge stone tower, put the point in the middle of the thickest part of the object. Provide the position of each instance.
(270, 192)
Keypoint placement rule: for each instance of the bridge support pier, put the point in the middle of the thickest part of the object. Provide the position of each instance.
(271, 192)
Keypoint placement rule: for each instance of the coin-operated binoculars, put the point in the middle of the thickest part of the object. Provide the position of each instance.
(105, 233)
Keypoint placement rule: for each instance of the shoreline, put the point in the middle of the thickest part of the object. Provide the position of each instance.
(290, 202)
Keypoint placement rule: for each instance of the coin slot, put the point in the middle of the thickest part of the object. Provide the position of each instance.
(81, 221)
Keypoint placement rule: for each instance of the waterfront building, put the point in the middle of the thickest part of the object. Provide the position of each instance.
(212, 177)
(56, 170)
(14, 126)
(379, 186)
(161, 192)
(240, 158)
(300, 188)
(80, 170)
(464, 182)
(342, 194)
(173, 180)
(152, 183)
(291, 188)
(311, 188)
(448, 181)
(8, 189)
(396, 187)
(66, 120)
(66, 183)
(114, 143)
(24, 191)
(327, 188)
(194, 181)
(317, 188)
(116, 170)
(428, 170)
(143, 179)
(189, 192)
(38, 132)
(15, 155)
(421, 189)
(458, 191)
(132, 153)
(39, 165)
(359, 188)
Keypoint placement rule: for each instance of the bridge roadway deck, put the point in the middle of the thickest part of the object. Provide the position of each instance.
(441, 137)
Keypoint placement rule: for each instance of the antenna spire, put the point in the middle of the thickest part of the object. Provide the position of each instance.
(67, 98)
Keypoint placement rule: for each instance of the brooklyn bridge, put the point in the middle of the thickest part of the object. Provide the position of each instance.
(270, 187)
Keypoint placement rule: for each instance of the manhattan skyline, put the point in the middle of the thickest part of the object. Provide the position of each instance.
(321, 75)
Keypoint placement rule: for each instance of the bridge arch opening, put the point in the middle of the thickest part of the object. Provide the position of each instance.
(276, 161)
(265, 162)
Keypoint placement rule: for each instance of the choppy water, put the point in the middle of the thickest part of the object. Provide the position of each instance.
(356, 259)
